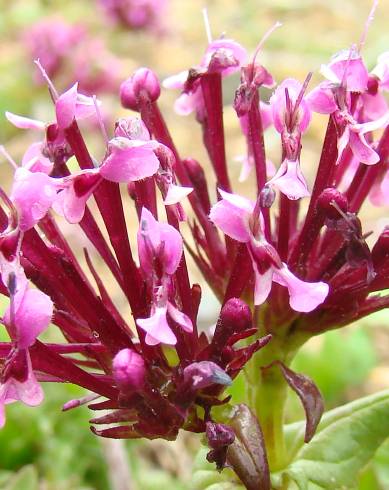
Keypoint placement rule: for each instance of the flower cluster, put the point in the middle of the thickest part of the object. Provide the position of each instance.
(281, 275)
(68, 51)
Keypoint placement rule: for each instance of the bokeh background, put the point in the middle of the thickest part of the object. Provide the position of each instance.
(43, 448)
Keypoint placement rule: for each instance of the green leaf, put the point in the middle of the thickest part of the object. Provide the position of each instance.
(345, 442)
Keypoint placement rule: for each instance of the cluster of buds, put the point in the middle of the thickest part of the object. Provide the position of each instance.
(281, 275)
(69, 52)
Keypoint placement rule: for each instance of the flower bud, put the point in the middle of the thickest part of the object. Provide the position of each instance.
(267, 197)
(234, 317)
(219, 435)
(128, 370)
(143, 86)
(328, 198)
(205, 373)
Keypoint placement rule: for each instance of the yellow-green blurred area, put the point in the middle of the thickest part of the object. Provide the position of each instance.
(43, 448)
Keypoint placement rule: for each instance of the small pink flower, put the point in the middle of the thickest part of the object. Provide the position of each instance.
(347, 68)
(158, 242)
(237, 217)
(72, 105)
(76, 190)
(32, 312)
(33, 193)
(128, 369)
(290, 180)
(130, 160)
(289, 92)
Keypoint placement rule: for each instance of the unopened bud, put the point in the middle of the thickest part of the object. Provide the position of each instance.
(143, 86)
(128, 370)
(219, 435)
(331, 201)
(234, 317)
(205, 373)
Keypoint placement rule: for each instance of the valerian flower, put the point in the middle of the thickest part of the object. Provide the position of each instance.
(281, 275)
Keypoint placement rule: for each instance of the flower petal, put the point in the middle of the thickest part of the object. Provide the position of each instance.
(303, 296)
(290, 180)
(179, 317)
(157, 328)
(176, 193)
(24, 122)
(362, 150)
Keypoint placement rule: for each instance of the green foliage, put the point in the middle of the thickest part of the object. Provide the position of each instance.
(343, 360)
(346, 440)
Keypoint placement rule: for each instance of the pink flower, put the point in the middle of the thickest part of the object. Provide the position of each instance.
(32, 312)
(347, 68)
(76, 190)
(224, 56)
(33, 193)
(238, 218)
(290, 180)
(160, 251)
(129, 160)
(289, 107)
(72, 105)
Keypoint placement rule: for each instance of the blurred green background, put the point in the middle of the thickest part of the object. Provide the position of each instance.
(43, 448)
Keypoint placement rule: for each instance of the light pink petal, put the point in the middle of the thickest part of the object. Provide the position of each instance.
(179, 317)
(85, 106)
(231, 219)
(379, 194)
(24, 122)
(290, 181)
(176, 81)
(238, 201)
(70, 206)
(157, 328)
(32, 316)
(129, 164)
(185, 104)
(176, 194)
(33, 195)
(65, 107)
(149, 239)
(247, 166)
(28, 391)
(372, 125)
(172, 247)
(356, 77)
(266, 115)
(234, 55)
(321, 100)
(303, 296)
(374, 106)
(362, 150)
(263, 283)
(34, 161)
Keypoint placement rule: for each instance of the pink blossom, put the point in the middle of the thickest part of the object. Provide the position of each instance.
(32, 312)
(347, 68)
(129, 160)
(238, 218)
(72, 105)
(290, 180)
(294, 116)
(33, 193)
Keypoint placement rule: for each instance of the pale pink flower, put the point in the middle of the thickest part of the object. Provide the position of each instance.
(238, 218)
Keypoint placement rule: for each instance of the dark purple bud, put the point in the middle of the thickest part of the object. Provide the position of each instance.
(219, 435)
(267, 197)
(205, 373)
(310, 397)
(247, 454)
(128, 370)
(330, 201)
(234, 317)
(142, 87)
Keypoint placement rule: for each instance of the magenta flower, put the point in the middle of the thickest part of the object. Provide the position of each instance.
(160, 251)
(240, 219)
(26, 318)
